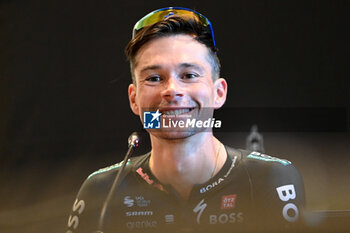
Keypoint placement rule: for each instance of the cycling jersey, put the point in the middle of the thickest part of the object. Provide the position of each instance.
(252, 192)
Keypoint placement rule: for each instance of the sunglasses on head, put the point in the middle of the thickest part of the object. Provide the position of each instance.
(163, 13)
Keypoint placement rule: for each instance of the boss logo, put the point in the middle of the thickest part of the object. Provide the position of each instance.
(290, 211)
(78, 208)
(226, 218)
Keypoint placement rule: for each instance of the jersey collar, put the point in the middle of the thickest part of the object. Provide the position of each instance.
(143, 171)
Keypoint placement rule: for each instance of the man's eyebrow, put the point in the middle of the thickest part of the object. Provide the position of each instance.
(181, 65)
(153, 67)
(191, 65)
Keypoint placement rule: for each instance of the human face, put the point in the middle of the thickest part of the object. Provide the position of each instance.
(173, 74)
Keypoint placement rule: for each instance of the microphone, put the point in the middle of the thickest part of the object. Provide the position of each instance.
(133, 141)
(255, 140)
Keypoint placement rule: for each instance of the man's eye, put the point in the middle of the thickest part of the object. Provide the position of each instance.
(154, 78)
(190, 76)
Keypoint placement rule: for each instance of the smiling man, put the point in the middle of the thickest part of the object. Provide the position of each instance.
(189, 181)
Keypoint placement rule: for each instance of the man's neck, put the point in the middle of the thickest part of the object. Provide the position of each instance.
(186, 162)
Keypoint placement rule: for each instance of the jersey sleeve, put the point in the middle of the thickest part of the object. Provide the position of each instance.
(87, 206)
(278, 193)
(84, 212)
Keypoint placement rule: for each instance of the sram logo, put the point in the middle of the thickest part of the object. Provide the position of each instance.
(139, 213)
(290, 211)
(78, 208)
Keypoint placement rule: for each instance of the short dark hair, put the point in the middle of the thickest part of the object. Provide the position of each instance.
(174, 25)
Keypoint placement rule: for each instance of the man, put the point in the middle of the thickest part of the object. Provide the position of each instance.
(190, 181)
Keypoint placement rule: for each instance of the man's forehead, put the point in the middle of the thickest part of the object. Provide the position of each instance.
(176, 50)
(183, 65)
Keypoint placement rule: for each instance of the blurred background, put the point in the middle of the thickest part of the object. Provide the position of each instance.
(64, 110)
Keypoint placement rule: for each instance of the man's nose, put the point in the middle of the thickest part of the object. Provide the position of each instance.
(173, 90)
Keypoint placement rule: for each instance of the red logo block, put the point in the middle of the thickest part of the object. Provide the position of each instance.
(228, 202)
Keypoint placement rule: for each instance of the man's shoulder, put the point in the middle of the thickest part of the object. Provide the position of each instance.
(261, 167)
(275, 184)
(112, 170)
(100, 181)
(254, 158)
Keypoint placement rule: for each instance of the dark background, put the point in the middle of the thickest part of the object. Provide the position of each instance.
(64, 110)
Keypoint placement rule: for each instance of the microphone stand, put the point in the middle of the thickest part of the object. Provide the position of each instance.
(133, 141)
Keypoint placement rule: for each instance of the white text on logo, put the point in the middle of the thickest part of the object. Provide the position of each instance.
(226, 218)
(73, 221)
(141, 224)
(139, 213)
(228, 202)
(286, 193)
(210, 186)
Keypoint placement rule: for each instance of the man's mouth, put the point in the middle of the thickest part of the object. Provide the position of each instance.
(177, 112)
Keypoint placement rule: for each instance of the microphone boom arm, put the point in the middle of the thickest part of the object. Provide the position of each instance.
(133, 141)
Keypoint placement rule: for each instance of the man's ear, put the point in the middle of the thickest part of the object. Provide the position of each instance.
(132, 99)
(220, 92)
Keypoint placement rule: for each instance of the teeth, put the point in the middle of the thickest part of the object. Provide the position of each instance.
(177, 112)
